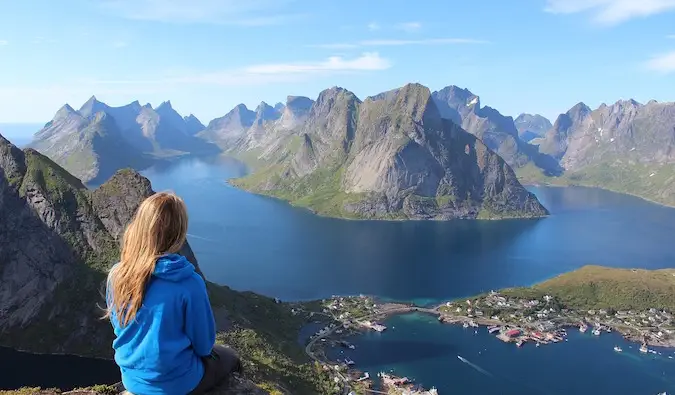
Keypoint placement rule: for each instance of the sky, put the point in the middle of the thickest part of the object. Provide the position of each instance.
(206, 56)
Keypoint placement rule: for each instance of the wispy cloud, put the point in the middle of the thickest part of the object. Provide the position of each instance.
(43, 40)
(373, 26)
(230, 12)
(3, 43)
(663, 63)
(409, 27)
(389, 43)
(265, 73)
(119, 44)
(671, 36)
(610, 12)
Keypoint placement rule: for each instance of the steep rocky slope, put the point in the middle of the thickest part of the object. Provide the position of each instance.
(95, 141)
(628, 147)
(391, 156)
(497, 131)
(57, 241)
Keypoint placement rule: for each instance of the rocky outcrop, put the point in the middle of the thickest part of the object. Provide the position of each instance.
(391, 156)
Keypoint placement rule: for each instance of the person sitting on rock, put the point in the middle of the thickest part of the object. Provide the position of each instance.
(159, 308)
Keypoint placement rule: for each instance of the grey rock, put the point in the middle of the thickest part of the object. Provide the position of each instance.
(397, 157)
(497, 131)
(532, 126)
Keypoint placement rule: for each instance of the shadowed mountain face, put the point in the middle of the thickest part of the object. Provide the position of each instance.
(497, 131)
(627, 147)
(391, 156)
(532, 126)
(97, 140)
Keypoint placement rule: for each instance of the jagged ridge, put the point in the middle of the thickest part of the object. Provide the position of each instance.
(391, 156)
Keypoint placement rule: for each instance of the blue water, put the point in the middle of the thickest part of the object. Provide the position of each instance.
(256, 243)
(261, 244)
(417, 346)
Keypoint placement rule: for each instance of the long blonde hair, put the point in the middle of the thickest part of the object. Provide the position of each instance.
(159, 227)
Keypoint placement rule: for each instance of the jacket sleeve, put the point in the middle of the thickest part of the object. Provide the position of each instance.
(200, 325)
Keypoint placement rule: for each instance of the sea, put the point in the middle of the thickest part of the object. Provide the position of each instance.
(256, 243)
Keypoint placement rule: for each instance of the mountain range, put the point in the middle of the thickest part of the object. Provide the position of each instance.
(575, 150)
(58, 239)
(96, 140)
(627, 147)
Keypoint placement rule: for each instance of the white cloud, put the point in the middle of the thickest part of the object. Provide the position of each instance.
(610, 12)
(388, 43)
(372, 26)
(3, 43)
(409, 27)
(264, 73)
(231, 12)
(119, 44)
(671, 36)
(663, 63)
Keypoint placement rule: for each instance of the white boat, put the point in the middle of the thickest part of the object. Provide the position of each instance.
(617, 349)
(465, 325)
(643, 348)
(583, 328)
(348, 361)
(596, 332)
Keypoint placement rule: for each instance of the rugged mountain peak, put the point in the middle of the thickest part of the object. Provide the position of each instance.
(147, 106)
(295, 111)
(193, 125)
(531, 126)
(330, 98)
(12, 162)
(64, 112)
(166, 105)
(579, 111)
(92, 106)
(279, 106)
(415, 100)
(264, 112)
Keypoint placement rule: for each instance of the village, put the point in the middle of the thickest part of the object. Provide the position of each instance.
(543, 320)
(348, 316)
(512, 318)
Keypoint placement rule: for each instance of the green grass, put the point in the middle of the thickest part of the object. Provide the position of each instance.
(597, 287)
(633, 179)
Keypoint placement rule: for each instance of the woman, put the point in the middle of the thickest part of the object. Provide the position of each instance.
(159, 308)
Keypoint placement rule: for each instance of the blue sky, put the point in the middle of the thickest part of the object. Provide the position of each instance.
(206, 56)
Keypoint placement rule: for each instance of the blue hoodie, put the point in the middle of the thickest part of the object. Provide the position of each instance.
(159, 351)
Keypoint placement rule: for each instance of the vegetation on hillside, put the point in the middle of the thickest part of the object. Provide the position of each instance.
(651, 182)
(597, 287)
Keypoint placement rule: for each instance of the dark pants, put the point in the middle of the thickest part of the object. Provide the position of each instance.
(218, 367)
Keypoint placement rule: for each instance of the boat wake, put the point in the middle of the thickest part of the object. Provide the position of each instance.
(473, 365)
(201, 238)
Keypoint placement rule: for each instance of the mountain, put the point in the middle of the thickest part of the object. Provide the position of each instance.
(91, 148)
(98, 139)
(627, 147)
(531, 126)
(58, 239)
(497, 131)
(193, 125)
(226, 130)
(390, 156)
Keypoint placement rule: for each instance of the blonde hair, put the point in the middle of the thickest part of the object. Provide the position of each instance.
(159, 227)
